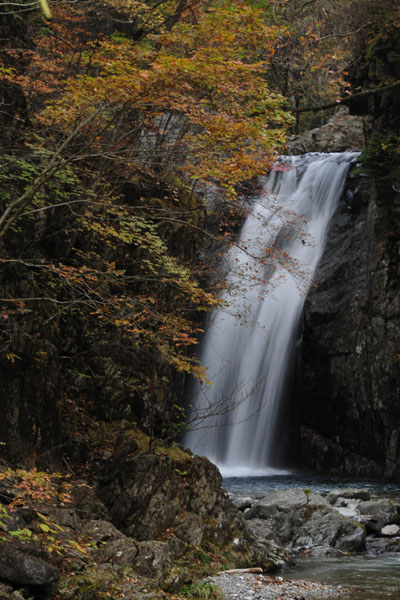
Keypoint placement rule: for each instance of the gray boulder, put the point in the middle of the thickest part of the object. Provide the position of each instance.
(101, 531)
(328, 528)
(376, 514)
(24, 570)
(242, 503)
(278, 503)
(299, 518)
(350, 493)
(122, 551)
(261, 529)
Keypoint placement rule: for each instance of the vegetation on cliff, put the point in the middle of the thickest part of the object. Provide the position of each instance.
(115, 112)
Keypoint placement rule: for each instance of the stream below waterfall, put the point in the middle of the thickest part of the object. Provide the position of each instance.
(372, 577)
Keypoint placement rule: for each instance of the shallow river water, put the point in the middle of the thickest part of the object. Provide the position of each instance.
(373, 577)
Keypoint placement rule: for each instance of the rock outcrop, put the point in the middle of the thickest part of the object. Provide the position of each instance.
(153, 518)
(176, 497)
(349, 370)
(22, 568)
(343, 132)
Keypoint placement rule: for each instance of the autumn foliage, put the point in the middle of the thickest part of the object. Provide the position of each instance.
(119, 120)
(123, 114)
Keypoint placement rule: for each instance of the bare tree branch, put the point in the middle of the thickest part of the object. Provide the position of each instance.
(348, 99)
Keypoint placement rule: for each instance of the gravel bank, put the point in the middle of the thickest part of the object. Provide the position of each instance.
(248, 586)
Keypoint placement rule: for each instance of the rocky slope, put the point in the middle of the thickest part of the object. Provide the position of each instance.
(151, 520)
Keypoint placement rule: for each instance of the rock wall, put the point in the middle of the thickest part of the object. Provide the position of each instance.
(343, 132)
(348, 381)
(349, 370)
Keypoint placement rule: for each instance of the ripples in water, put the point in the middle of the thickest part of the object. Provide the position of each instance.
(260, 485)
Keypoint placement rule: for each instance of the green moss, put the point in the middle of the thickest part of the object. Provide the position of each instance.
(176, 454)
(96, 583)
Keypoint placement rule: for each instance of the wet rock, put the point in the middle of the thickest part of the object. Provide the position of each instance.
(380, 508)
(358, 494)
(22, 569)
(300, 518)
(349, 341)
(379, 513)
(347, 508)
(379, 545)
(354, 541)
(393, 453)
(242, 503)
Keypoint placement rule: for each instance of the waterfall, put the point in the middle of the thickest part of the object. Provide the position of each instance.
(248, 344)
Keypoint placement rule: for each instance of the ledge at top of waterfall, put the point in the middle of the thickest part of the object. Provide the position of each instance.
(238, 420)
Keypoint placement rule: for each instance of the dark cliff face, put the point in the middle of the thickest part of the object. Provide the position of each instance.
(348, 393)
(349, 375)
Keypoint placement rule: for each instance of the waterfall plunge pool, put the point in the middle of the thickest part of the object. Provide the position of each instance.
(370, 577)
(273, 479)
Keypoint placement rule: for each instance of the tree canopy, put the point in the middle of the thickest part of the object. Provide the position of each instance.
(118, 117)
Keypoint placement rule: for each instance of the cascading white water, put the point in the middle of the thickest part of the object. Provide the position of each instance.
(248, 341)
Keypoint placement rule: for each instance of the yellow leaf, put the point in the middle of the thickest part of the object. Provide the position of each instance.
(45, 8)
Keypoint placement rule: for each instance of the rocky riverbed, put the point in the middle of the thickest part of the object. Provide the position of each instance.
(249, 586)
(330, 527)
(343, 521)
